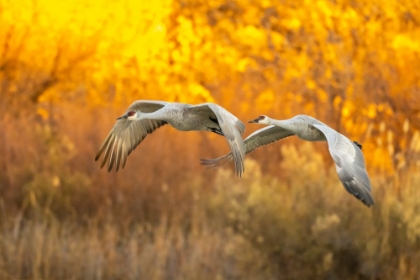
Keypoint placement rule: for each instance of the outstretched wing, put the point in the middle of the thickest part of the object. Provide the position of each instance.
(350, 164)
(126, 135)
(232, 129)
(261, 137)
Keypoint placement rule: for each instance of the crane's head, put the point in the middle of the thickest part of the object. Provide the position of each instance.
(130, 115)
(261, 119)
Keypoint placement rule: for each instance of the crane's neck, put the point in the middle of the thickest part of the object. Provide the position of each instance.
(286, 124)
(151, 116)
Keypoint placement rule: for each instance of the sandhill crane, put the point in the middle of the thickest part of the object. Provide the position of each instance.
(347, 155)
(143, 117)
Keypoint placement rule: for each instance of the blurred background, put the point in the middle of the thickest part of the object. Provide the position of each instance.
(68, 69)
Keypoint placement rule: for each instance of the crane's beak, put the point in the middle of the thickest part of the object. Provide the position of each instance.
(122, 117)
(254, 121)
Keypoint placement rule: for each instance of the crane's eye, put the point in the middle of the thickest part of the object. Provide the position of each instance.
(131, 113)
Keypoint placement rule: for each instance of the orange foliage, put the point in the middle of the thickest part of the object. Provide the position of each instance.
(348, 64)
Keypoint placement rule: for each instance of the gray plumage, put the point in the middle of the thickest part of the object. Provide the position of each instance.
(347, 156)
(143, 117)
(261, 137)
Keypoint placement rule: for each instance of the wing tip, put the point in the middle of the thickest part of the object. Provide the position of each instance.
(240, 172)
(369, 202)
(365, 197)
(97, 157)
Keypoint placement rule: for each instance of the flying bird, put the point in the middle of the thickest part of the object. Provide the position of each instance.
(347, 155)
(143, 117)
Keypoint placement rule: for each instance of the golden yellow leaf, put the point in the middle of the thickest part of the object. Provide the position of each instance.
(252, 36)
(292, 24)
(265, 99)
(310, 84)
(43, 113)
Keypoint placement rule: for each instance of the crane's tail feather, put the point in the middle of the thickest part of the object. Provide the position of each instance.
(216, 162)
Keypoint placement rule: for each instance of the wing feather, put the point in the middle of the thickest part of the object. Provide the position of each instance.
(126, 135)
(261, 137)
(232, 129)
(350, 164)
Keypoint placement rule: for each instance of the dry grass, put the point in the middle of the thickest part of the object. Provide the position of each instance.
(52, 249)
(63, 218)
(303, 226)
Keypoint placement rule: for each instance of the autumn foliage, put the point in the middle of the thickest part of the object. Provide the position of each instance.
(68, 69)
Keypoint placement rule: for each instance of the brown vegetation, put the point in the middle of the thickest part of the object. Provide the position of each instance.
(68, 70)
